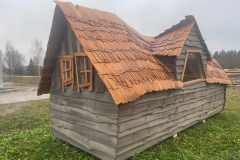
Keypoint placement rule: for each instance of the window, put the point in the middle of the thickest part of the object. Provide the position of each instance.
(66, 67)
(84, 70)
(193, 71)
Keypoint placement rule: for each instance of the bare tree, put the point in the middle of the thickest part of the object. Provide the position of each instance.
(13, 59)
(8, 56)
(36, 53)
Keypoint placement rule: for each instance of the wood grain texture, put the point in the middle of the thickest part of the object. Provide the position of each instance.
(94, 152)
(87, 119)
(91, 120)
(192, 43)
(163, 114)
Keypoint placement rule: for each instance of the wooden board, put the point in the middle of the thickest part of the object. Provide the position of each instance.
(163, 114)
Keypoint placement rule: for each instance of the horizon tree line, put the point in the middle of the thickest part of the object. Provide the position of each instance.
(228, 59)
(14, 60)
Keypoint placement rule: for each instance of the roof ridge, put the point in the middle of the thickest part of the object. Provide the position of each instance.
(188, 19)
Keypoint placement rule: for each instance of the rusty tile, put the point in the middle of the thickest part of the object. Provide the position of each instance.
(122, 57)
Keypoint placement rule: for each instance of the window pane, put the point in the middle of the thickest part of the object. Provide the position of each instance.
(68, 65)
(68, 74)
(194, 68)
(65, 76)
(88, 63)
(83, 64)
(88, 75)
(80, 62)
(82, 78)
(64, 65)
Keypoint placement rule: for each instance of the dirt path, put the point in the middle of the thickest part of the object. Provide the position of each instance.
(17, 92)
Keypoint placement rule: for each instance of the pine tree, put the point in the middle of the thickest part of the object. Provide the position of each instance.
(215, 55)
(31, 68)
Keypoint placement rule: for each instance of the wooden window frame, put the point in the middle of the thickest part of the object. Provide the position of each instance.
(71, 69)
(185, 63)
(90, 83)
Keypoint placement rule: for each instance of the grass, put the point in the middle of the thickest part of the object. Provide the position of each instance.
(24, 80)
(26, 134)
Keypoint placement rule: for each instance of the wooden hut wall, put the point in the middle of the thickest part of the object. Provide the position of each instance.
(159, 115)
(87, 120)
(169, 61)
(193, 42)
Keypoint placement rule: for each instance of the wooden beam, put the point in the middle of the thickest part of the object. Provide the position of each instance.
(85, 71)
(84, 85)
(76, 68)
(73, 78)
(85, 68)
(62, 76)
(184, 66)
(91, 77)
(194, 51)
(194, 82)
(66, 57)
(80, 54)
(203, 66)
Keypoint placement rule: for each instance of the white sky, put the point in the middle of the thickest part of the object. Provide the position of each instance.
(219, 20)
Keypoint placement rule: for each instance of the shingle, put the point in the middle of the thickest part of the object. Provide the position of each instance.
(215, 73)
(124, 58)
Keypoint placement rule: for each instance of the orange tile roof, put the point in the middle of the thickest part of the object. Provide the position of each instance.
(122, 57)
(215, 73)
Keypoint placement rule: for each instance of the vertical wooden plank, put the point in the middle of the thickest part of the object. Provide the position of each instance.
(184, 66)
(105, 88)
(74, 43)
(91, 78)
(64, 45)
(203, 66)
(70, 39)
(76, 66)
(85, 68)
(79, 48)
(98, 83)
(63, 88)
(73, 78)
(81, 67)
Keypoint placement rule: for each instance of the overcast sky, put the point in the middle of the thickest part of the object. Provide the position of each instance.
(219, 20)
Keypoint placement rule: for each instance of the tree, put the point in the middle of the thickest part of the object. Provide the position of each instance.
(18, 63)
(228, 59)
(13, 59)
(8, 56)
(215, 55)
(36, 51)
(31, 68)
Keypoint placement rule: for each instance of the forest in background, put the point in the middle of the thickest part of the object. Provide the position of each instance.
(228, 59)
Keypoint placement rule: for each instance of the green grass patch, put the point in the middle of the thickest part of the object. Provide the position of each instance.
(26, 134)
(24, 80)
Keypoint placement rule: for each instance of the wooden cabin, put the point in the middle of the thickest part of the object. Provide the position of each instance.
(114, 92)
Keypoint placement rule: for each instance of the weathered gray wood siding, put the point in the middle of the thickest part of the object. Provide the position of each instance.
(193, 42)
(91, 121)
(159, 115)
(169, 61)
(87, 120)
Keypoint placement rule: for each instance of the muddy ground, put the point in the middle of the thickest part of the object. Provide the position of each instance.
(17, 92)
